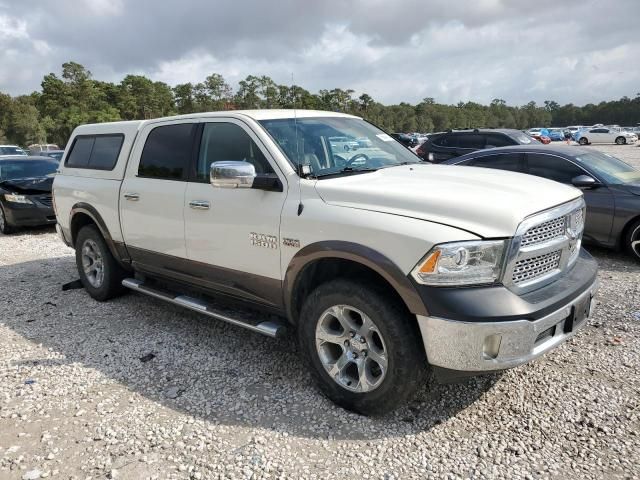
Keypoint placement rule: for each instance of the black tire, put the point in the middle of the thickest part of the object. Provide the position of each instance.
(111, 284)
(5, 228)
(621, 141)
(631, 240)
(407, 364)
(583, 141)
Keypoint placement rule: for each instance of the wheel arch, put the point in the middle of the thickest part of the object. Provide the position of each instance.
(83, 214)
(625, 230)
(318, 262)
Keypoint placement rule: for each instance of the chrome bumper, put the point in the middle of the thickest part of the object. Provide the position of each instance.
(486, 346)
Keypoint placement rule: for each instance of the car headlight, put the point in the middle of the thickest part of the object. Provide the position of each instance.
(9, 197)
(462, 263)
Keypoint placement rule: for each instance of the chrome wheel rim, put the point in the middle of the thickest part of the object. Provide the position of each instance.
(635, 242)
(351, 348)
(92, 263)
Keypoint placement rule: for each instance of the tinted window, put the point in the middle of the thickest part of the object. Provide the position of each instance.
(553, 168)
(444, 141)
(470, 141)
(227, 141)
(599, 130)
(99, 152)
(504, 161)
(167, 152)
(498, 140)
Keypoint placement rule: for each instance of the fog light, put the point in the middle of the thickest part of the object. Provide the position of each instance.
(491, 347)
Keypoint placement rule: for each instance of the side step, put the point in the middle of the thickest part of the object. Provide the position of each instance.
(268, 328)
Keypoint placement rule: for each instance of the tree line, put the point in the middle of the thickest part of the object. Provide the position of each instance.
(75, 97)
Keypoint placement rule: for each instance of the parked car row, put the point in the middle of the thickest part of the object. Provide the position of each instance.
(49, 150)
(588, 135)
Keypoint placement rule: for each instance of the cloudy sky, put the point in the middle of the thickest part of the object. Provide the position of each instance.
(395, 50)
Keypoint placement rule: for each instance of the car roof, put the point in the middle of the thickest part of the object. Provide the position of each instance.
(564, 151)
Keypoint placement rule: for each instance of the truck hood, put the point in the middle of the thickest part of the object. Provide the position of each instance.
(487, 202)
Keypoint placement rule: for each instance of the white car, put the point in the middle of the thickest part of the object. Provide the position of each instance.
(386, 267)
(11, 150)
(606, 135)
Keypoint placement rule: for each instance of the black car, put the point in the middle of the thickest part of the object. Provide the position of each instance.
(407, 140)
(25, 192)
(454, 143)
(611, 187)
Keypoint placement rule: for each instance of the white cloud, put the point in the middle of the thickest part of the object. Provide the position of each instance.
(453, 51)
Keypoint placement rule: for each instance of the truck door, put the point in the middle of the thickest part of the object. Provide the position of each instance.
(234, 233)
(153, 192)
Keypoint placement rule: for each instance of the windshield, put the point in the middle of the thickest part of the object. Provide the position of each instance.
(611, 169)
(11, 151)
(10, 170)
(327, 146)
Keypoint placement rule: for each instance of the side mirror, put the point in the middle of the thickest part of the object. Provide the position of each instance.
(585, 181)
(232, 174)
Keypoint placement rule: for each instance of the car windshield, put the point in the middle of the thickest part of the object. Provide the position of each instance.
(10, 170)
(11, 151)
(611, 169)
(312, 142)
(56, 155)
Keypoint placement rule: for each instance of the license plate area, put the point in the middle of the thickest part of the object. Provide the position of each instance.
(579, 313)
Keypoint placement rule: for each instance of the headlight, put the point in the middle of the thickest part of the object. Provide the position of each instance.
(9, 197)
(462, 263)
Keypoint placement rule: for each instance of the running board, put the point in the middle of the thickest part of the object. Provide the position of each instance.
(268, 328)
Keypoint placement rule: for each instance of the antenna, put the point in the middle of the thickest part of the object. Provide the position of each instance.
(300, 166)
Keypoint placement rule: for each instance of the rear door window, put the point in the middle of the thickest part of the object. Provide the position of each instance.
(512, 162)
(552, 167)
(471, 140)
(97, 152)
(498, 140)
(167, 152)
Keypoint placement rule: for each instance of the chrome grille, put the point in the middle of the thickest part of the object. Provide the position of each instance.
(544, 232)
(535, 267)
(545, 245)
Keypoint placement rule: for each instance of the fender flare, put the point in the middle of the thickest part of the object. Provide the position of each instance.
(117, 249)
(357, 253)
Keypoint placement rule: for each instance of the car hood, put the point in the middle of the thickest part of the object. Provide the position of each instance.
(28, 186)
(487, 202)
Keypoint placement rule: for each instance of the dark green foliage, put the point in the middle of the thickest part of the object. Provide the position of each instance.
(49, 116)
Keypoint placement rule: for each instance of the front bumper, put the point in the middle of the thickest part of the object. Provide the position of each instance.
(472, 346)
(20, 215)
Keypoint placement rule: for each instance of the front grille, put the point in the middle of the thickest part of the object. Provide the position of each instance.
(46, 200)
(534, 267)
(544, 232)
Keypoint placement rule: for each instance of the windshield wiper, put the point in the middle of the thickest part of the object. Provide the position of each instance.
(347, 171)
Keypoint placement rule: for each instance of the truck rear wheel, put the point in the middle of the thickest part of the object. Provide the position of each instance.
(363, 349)
(100, 273)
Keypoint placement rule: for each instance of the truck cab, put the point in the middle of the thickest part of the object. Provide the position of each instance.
(382, 266)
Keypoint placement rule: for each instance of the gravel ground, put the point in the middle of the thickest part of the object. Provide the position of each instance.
(134, 388)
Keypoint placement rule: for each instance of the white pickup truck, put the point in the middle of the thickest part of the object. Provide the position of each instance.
(384, 266)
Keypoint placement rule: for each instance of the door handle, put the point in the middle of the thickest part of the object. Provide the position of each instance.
(199, 204)
(132, 196)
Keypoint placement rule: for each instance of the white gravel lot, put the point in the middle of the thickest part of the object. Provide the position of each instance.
(214, 401)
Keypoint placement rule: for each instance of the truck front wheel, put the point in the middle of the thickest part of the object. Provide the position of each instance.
(363, 348)
(100, 273)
